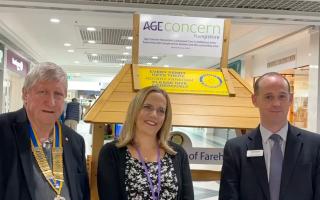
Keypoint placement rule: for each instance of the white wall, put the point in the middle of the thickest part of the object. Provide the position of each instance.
(298, 43)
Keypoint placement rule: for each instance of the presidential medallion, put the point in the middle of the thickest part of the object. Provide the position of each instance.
(59, 198)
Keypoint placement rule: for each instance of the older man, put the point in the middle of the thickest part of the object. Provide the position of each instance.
(40, 158)
(276, 161)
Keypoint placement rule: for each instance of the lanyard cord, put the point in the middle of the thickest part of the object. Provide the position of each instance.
(146, 172)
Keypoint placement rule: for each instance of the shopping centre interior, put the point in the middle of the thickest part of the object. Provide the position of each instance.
(92, 41)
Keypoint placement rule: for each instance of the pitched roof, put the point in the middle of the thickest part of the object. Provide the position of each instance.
(192, 110)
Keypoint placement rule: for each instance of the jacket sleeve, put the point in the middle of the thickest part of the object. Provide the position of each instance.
(108, 176)
(187, 186)
(229, 183)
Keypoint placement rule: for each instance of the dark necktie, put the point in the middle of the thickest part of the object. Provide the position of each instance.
(275, 167)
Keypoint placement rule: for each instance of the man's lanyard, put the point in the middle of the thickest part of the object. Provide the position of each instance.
(146, 172)
(55, 176)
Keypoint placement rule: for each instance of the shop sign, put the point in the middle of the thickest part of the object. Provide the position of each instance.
(170, 35)
(17, 64)
(283, 60)
(182, 80)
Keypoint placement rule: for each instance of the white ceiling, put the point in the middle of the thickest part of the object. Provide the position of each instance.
(27, 25)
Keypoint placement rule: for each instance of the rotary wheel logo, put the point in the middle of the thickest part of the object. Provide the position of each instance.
(210, 80)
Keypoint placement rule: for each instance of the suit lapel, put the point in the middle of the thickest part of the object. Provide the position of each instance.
(23, 142)
(68, 158)
(258, 163)
(293, 148)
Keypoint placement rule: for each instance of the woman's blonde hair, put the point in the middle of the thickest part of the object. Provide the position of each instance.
(129, 126)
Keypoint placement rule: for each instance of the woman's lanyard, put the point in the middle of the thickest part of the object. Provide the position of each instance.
(146, 172)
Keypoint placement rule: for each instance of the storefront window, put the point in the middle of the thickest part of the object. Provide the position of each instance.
(300, 96)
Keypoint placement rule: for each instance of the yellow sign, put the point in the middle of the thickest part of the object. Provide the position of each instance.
(178, 80)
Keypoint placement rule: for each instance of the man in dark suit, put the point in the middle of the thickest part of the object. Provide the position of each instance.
(40, 158)
(276, 161)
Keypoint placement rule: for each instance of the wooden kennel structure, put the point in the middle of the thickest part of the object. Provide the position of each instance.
(189, 110)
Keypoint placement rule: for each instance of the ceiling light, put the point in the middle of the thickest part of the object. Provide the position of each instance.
(125, 53)
(130, 38)
(91, 41)
(91, 29)
(94, 54)
(55, 20)
(313, 66)
(180, 55)
(76, 62)
(128, 47)
(67, 44)
(70, 50)
(155, 57)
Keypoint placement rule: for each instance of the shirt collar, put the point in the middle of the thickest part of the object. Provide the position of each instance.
(265, 133)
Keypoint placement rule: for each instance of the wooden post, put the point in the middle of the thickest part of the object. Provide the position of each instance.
(241, 131)
(97, 142)
(205, 175)
(225, 45)
(135, 74)
(135, 41)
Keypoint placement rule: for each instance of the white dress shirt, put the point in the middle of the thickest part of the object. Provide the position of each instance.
(267, 143)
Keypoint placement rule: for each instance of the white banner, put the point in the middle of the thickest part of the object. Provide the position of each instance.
(171, 35)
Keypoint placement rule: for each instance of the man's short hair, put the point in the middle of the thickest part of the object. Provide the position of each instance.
(256, 84)
(45, 71)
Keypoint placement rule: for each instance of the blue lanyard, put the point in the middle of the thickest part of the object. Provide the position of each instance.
(146, 172)
(35, 141)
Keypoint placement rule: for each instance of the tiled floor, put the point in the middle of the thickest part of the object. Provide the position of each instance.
(206, 190)
(203, 190)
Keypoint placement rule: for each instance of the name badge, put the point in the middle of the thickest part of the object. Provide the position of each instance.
(254, 153)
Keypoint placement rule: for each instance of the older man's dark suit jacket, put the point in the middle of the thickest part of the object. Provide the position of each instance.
(245, 178)
(16, 182)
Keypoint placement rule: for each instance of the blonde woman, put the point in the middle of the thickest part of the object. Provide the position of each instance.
(142, 164)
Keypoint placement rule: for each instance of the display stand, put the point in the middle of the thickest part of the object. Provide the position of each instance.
(232, 111)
